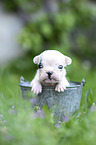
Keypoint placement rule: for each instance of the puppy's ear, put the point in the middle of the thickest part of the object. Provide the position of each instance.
(36, 59)
(68, 60)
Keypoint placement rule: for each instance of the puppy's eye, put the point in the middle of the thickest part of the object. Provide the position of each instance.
(40, 66)
(60, 66)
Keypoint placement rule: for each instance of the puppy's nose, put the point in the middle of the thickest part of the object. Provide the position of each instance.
(49, 74)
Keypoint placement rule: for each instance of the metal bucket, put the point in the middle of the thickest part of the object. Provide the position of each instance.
(61, 104)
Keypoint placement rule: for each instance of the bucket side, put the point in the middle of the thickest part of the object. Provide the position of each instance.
(61, 104)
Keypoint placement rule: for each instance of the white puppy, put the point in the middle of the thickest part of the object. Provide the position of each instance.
(51, 71)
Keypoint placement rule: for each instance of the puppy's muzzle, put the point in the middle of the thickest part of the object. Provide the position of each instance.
(49, 74)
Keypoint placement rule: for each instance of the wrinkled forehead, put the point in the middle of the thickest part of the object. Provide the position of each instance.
(52, 58)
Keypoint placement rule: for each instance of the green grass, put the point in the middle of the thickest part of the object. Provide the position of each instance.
(18, 126)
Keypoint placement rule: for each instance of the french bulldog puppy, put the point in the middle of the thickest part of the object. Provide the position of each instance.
(51, 71)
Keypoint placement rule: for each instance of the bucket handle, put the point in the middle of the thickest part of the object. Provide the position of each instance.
(83, 82)
(22, 80)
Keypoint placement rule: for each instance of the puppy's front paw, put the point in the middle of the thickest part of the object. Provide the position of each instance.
(60, 88)
(36, 87)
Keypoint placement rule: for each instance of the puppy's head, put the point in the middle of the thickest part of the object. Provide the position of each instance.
(51, 65)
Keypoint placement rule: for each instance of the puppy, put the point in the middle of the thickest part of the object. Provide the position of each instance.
(51, 71)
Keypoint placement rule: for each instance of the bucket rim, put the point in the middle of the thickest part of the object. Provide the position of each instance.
(27, 85)
(73, 84)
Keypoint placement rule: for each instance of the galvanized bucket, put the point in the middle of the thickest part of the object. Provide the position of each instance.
(61, 104)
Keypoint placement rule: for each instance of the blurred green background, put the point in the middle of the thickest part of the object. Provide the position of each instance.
(68, 26)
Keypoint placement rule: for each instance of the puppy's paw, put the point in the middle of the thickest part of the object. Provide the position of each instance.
(60, 88)
(36, 87)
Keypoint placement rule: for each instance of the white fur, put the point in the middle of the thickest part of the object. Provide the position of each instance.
(50, 60)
